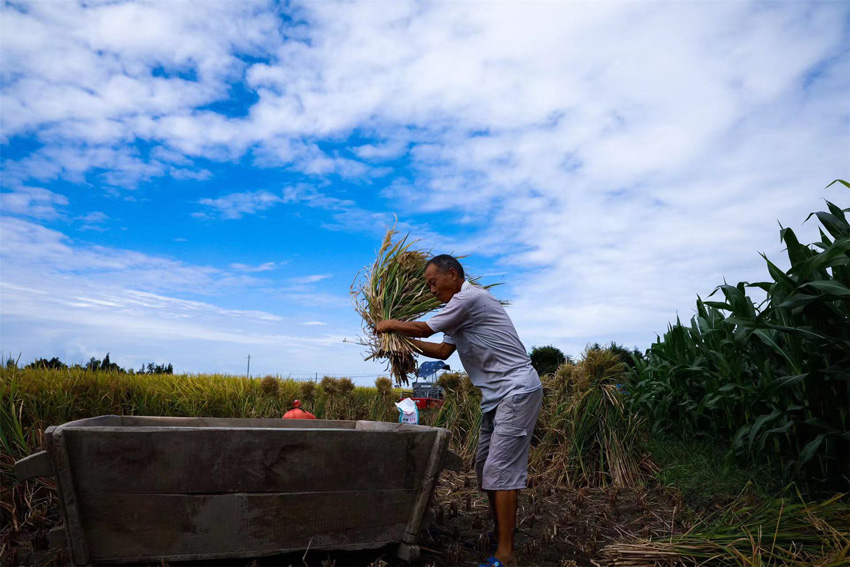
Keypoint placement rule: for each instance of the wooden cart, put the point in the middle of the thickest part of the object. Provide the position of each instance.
(137, 489)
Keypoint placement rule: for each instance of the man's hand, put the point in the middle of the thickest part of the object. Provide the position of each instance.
(385, 326)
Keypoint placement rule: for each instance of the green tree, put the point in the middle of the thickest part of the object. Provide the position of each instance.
(625, 355)
(54, 363)
(547, 359)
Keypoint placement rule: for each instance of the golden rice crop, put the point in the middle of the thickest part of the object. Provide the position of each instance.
(393, 288)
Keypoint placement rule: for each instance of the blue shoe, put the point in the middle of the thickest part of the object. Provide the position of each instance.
(492, 562)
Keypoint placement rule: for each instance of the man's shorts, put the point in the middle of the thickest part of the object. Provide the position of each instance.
(501, 461)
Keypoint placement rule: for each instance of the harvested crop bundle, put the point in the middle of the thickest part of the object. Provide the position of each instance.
(394, 288)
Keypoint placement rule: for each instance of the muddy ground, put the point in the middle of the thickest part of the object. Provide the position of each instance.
(556, 527)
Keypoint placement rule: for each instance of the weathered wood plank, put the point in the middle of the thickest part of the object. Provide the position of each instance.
(376, 426)
(276, 423)
(56, 443)
(453, 462)
(363, 425)
(57, 538)
(219, 460)
(426, 489)
(408, 552)
(37, 464)
(167, 526)
(99, 421)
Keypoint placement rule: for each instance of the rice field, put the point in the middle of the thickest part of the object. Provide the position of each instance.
(592, 490)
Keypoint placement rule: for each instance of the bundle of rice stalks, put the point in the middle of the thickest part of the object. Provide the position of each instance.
(330, 386)
(345, 386)
(587, 437)
(394, 288)
(307, 390)
(384, 386)
(785, 532)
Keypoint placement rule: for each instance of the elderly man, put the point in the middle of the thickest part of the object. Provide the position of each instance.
(475, 324)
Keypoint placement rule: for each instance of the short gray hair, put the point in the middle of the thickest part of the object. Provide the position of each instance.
(444, 262)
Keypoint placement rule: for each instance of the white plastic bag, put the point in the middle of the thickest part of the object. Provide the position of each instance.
(408, 412)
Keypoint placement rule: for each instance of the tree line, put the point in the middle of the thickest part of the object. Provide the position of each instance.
(95, 365)
(547, 359)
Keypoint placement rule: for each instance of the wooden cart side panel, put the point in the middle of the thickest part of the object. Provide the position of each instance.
(57, 447)
(219, 460)
(429, 482)
(37, 464)
(233, 422)
(99, 421)
(141, 527)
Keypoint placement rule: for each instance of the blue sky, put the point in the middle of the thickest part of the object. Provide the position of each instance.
(194, 182)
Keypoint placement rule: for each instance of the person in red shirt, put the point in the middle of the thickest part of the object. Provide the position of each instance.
(297, 413)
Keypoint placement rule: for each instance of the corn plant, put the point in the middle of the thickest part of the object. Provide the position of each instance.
(772, 379)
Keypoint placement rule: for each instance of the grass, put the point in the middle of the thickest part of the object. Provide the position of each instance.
(785, 531)
(704, 474)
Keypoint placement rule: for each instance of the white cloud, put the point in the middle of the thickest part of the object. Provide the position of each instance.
(264, 267)
(380, 152)
(62, 299)
(30, 248)
(32, 202)
(309, 279)
(93, 217)
(615, 159)
(75, 72)
(235, 205)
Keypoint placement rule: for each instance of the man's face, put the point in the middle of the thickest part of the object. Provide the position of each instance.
(442, 284)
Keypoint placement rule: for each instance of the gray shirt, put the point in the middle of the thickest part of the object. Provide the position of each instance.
(488, 345)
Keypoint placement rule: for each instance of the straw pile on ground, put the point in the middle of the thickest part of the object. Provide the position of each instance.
(393, 288)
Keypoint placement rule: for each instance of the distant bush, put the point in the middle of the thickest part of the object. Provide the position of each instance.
(546, 359)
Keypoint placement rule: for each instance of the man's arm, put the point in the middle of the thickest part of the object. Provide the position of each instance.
(417, 329)
(433, 350)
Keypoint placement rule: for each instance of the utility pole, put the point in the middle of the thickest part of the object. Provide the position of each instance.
(249, 366)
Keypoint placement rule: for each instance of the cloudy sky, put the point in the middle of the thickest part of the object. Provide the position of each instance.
(195, 182)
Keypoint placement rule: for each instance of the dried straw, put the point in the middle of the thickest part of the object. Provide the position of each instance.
(394, 288)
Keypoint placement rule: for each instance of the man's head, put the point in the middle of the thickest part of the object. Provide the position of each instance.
(444, 276)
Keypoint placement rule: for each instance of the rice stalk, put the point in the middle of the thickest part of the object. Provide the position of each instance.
(585, 435)
(393, 287)
(786, 532)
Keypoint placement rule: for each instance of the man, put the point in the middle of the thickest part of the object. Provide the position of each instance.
(476, 324)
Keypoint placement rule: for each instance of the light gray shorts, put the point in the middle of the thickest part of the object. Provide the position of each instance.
(501, 461)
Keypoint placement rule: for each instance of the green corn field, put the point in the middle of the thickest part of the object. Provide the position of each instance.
(771, 380)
